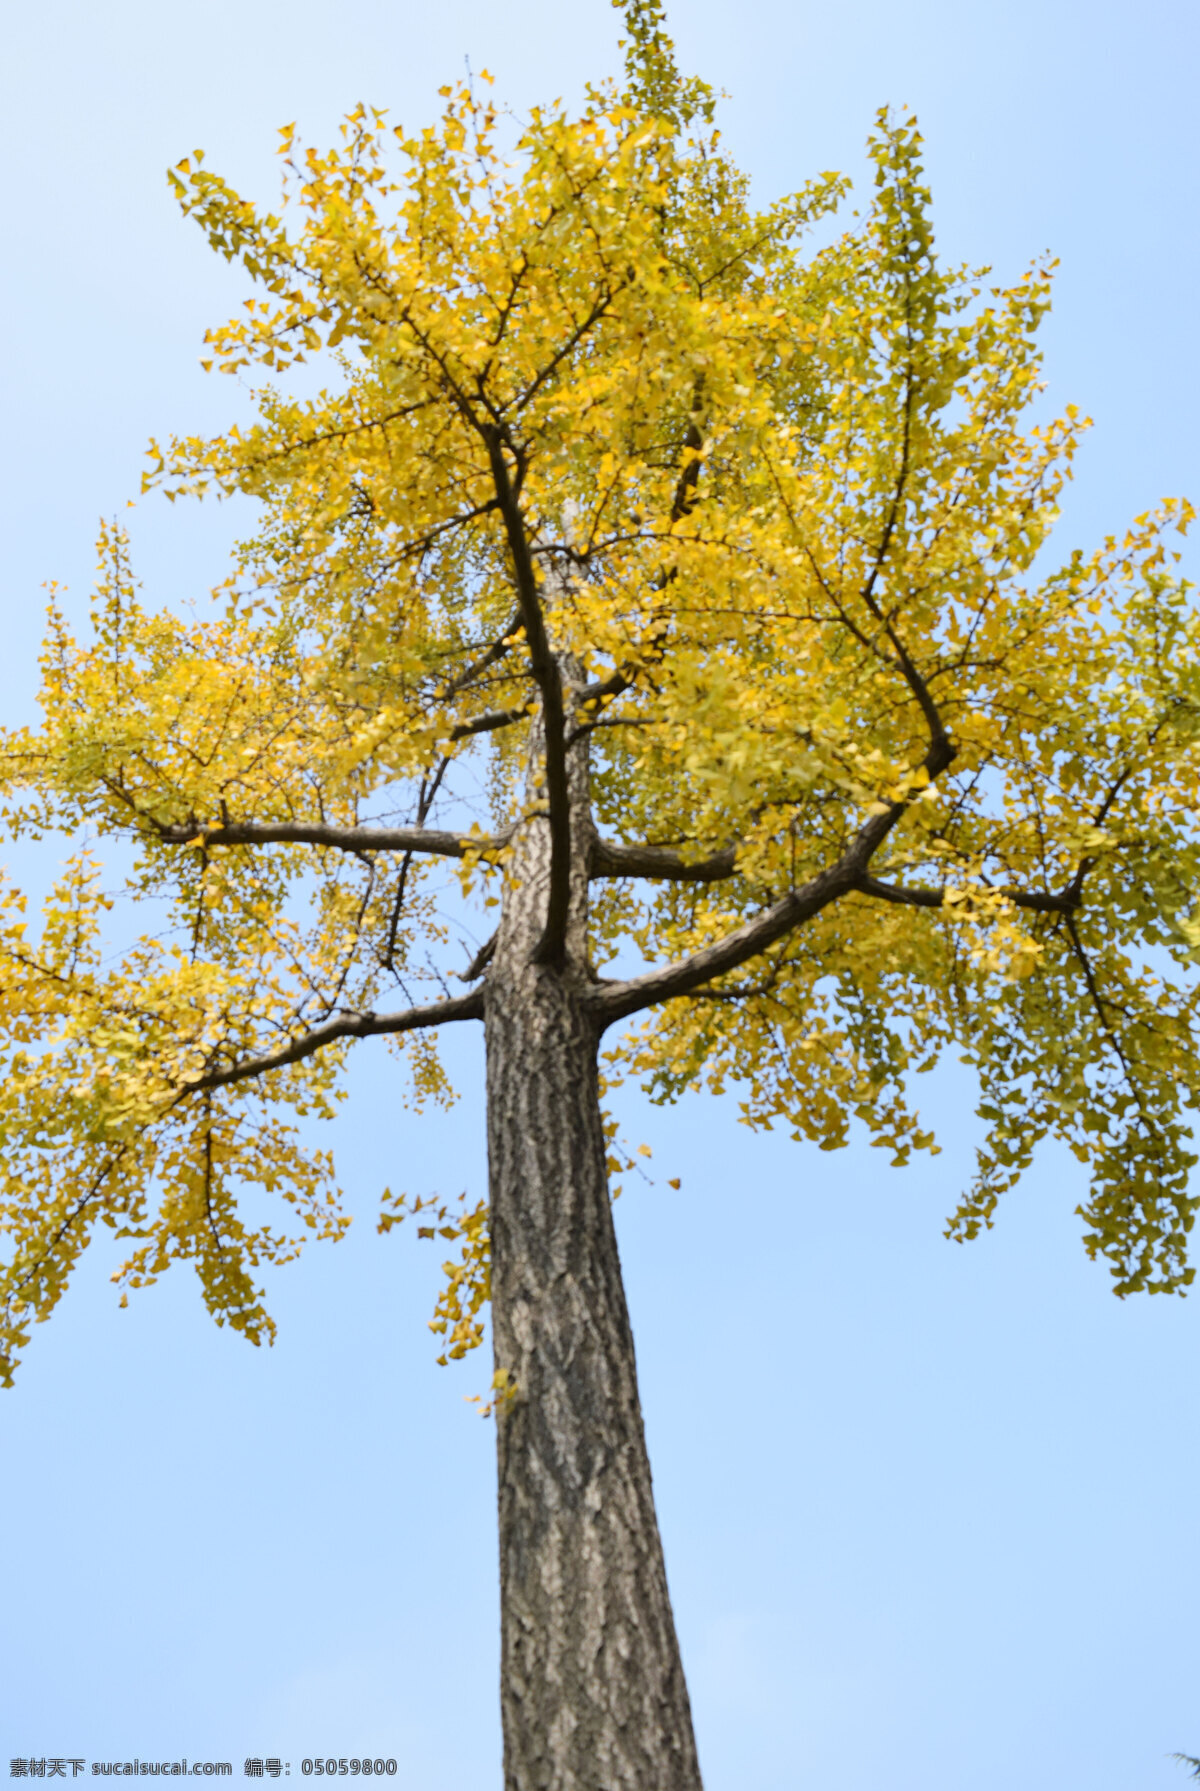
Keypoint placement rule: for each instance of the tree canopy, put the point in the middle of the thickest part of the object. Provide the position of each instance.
(603, 452)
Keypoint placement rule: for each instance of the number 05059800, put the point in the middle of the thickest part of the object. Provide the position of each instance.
(332, 1768)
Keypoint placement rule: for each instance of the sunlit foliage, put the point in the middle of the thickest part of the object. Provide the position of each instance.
(787, 507)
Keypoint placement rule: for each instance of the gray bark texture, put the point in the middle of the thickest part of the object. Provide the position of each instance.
(593, 1695)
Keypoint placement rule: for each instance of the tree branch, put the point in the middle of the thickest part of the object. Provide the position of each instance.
(479, 962)
(496, 651)
(685, 492)
(356, 1026)
(1110, 1032)
(429, 789)
(341, 839)
(545, 670)
(487, 724)
(916, 683)
(1036, 900)
(614, 685)
(616, 1001)
(33, 1269)
(610, 859)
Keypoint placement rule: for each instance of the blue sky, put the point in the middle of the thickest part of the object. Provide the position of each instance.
(928, 1511)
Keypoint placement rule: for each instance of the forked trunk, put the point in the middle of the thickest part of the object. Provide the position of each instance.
(592, 1689)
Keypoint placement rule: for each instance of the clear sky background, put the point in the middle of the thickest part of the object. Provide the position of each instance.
(929, 1512)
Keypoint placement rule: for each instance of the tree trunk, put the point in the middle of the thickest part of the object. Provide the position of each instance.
(593, 1695)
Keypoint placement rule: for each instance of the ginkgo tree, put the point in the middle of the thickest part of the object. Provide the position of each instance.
(677, 597)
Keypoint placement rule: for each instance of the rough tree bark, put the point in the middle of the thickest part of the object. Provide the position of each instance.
(593, 1694)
